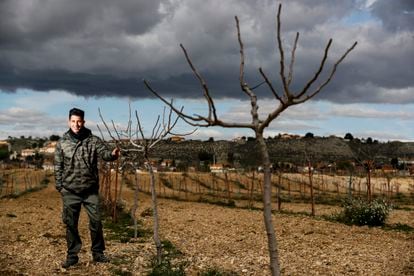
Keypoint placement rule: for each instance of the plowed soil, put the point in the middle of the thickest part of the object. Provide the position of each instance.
(32, 240)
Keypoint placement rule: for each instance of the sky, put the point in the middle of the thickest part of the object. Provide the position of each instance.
(95, 54)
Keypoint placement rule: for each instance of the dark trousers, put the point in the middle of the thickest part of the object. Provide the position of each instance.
(71, 210)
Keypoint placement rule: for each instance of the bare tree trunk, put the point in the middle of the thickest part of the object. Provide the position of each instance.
(227, 187)
(279, 197)
(369, 185)
(171, 180)
(109, 175)
(135, 206)
(389, 187)
(267, 207)
(121, 186)
(350, 186)
(213, 183)
(155, 214)
(251, 191)
(114, 214)
(311, 189)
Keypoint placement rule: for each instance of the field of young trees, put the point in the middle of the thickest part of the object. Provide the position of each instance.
(229, 223)
(245, 189)
(215, 222)
(241, 189)
(14, 182)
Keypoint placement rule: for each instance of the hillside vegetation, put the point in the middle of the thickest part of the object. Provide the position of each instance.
(296, 151)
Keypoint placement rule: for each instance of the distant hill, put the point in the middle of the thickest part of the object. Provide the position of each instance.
(18, 144)
(295, 151)
(245, 152)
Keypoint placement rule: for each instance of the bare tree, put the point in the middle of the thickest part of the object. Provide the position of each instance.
(389, 176)
(308, 160)
(367, 156)
(279, 174)
(312, 196)
(142, 146)
(113, 202)
(284, 99)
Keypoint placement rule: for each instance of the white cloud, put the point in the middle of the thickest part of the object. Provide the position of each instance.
(367, 111)
(45, 100)
(206, 133)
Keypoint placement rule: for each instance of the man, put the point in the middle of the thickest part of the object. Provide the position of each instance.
(76, 174)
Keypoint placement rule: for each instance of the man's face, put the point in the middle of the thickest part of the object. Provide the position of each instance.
(76, 123)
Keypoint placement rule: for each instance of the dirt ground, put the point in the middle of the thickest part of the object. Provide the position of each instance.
(32, 240)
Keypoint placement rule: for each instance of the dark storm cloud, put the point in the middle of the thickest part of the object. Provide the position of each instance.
(395, 15)
(77, 36)
(103, 48)
(106, 85)
(35, 21)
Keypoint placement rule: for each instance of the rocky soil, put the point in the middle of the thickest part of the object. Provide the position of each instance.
(32, 240)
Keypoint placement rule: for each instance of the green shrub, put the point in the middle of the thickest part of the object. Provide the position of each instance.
(123, 229)
(361, 212)
(165, 268)
(171, 263)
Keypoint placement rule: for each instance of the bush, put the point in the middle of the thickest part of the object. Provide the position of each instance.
(171, 264)
(361, 212)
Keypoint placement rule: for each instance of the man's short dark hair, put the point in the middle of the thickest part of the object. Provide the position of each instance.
(77, 112)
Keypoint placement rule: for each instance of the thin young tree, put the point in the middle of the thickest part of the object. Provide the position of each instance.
(115, 201)
(279, 174)
(367, 156)
(308, 160)
(284, 99)
(143, 145)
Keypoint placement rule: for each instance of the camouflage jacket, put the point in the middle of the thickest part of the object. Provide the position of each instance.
(76, 162)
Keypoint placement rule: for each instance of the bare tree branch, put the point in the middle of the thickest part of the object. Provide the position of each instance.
(329, 77)
(171, 126)
(116, 131)
(243, 84)
(269, 84)
(187, 118)
(155, 130)
(318, 72)
(258, 85)
(211, 107)
(292, 60)
(100, 131)
(106, 126)
(282, 56)
(139, 127)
